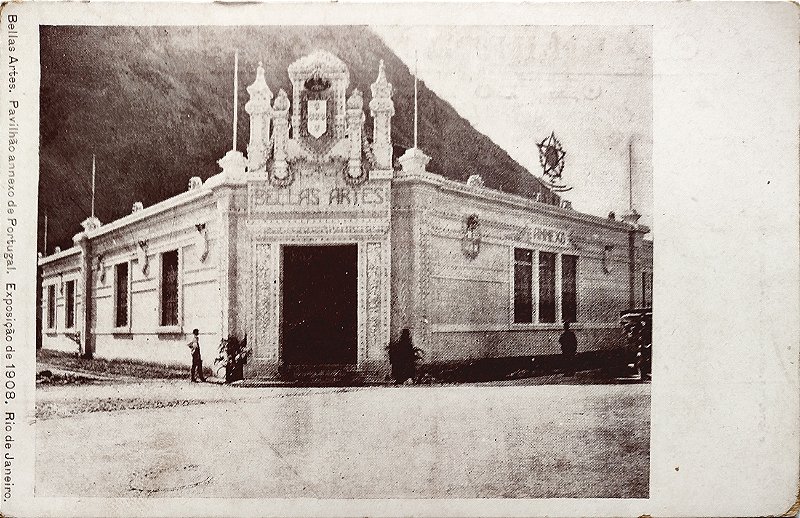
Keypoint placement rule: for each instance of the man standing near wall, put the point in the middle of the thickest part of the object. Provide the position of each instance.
(569, 346)
(197, 361)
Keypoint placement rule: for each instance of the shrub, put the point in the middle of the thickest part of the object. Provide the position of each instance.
(233, 353)
(404, 357)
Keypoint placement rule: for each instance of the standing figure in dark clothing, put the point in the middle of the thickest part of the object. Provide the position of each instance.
(569, 346)
(197, 361)
(403, 357)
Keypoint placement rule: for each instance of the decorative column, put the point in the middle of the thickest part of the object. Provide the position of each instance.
(280, 132)
(355, 123)
(260, 111)
(382, 109)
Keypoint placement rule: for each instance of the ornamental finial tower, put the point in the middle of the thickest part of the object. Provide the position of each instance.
(260, 111)
(382, 109)
(280, 174)
(355, 125)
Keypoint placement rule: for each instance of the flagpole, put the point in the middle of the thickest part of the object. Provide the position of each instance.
(235, 95)
(630, 174)
(416, 116)
(93, 175)
(45, 233)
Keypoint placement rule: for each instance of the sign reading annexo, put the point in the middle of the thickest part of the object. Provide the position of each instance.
(550, 236)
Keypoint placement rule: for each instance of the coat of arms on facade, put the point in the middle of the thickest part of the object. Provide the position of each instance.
(317, 117)
(471, 240)
(551, 158)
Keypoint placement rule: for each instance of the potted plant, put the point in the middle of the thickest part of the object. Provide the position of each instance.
(233, 353)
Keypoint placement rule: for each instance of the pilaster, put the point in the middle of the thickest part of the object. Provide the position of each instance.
(226, 263)
(84, 323)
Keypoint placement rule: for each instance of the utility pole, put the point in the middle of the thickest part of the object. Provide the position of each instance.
(235, 96)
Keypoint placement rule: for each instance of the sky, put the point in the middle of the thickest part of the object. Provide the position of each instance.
(590, 85)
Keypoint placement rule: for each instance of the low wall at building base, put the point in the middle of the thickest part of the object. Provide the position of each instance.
(612, 363)
(165, 349)
(60, 342)
(450, 347)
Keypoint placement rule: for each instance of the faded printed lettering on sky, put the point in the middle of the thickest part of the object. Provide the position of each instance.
(417, 270)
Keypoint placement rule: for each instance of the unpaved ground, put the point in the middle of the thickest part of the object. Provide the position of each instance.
(370, 442)
(113, 392)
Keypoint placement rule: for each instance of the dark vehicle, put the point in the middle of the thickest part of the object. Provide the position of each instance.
(638, 325)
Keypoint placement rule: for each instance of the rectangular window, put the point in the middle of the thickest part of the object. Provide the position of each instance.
(569, 288)
(547, 287)
(647, 289)
(169, 288)
(69, 304)
(121, 295)
(51, 306)
(523, 286)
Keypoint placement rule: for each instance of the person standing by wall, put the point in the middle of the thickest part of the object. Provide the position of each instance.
(569, 347)
(197, 361)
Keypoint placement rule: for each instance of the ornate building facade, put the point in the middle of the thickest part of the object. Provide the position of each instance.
(320, 249)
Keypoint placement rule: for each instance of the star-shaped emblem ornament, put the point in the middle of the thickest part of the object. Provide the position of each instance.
(551, 157)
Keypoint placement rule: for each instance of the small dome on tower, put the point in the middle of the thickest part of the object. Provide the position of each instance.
(281, 101)
(259, 88)
(356, 100)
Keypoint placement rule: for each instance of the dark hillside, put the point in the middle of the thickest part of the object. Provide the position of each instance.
(154, 104)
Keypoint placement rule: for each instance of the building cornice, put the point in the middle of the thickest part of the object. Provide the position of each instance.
(148, 212)
(52, 258)
(135, 217)
(515, 201)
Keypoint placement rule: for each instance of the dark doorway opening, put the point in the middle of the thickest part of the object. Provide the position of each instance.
(320, 295)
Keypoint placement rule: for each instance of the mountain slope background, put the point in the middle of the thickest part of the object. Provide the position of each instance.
(154, 104)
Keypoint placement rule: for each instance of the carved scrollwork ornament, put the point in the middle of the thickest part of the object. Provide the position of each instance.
(202, 241)
(355, 181)
(280, 178)
(100, 269)
(367, 164)
(141, 256)
(607, 254)
(362, 175)
(471, 240)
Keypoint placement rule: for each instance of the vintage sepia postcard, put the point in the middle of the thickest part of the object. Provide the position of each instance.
(400, 259)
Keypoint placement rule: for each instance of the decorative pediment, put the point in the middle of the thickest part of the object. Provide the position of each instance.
(319, 82)
(321, 63)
